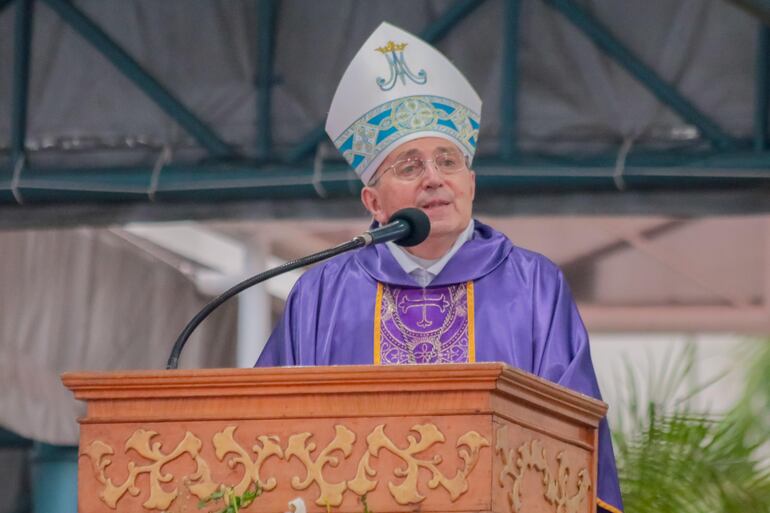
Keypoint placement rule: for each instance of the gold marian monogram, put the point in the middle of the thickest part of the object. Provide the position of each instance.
(299, 446)
(391, 47)
(531, 455)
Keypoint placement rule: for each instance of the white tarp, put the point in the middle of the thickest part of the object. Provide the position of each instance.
(86, 299)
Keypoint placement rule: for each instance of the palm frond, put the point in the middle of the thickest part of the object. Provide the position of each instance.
(675, 459)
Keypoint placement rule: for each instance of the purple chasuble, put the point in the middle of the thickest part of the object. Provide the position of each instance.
(522, 314)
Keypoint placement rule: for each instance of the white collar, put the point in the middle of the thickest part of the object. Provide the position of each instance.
(424, 270)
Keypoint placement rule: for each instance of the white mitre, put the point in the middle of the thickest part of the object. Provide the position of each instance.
(398, 88)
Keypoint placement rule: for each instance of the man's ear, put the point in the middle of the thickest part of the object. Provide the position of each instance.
(371, 200)
(473, 184)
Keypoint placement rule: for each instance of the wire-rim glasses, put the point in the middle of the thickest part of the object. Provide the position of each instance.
(412, 168)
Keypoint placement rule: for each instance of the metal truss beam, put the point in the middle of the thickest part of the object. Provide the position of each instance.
(431, 34)
(662, 90)
(63, 212)
(22, 44)
(762, 89)
(509, 86)
(456, 12)
(126, 64)
(266, 35)
(233, 182)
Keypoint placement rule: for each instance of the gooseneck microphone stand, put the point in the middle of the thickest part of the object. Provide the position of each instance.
(407, 227)
(173, 359)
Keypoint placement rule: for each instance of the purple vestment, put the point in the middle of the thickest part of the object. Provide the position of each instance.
(522, 314)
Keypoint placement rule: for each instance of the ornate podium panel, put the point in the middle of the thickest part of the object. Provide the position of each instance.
(439, 438)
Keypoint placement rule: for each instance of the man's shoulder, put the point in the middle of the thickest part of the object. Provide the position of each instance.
(329, 269)
(524, 256)
(514, 257)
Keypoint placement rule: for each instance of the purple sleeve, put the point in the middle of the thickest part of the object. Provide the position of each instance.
(566, 360)
(279, 349)
(295, 339)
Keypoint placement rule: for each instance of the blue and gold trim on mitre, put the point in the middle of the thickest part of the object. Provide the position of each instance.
(398, 88)
(377, 130)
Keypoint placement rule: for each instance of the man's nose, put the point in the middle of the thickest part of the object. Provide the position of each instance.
(432, 177)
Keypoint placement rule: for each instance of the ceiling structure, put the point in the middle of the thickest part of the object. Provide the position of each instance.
(176, 104)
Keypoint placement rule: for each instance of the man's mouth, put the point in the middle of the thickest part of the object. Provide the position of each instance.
(428, 205)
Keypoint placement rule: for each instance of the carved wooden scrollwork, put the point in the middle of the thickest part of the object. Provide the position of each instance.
(407, 491)
(531, 455)
(224, 444)
(159, 498)
(330, 493)
(299, 446)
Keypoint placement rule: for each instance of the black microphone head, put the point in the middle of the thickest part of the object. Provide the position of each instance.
(419, 226)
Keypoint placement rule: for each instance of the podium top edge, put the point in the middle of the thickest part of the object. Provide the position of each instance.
(491, 377)
(294, 375)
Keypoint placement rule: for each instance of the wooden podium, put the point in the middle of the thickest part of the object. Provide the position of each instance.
(439, 438)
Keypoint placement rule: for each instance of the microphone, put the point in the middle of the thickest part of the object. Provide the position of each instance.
(407, 227)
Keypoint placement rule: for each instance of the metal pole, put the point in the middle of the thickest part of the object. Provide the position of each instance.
(22, 44)
(762, 88)
(509, 86)
(457, 12)
(253, 310)
(266, 35)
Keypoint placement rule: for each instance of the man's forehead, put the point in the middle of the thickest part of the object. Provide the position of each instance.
(419, 147)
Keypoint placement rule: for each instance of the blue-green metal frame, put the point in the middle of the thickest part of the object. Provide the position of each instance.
(22, 45)
(665, 92)
(762, 88)
(433, 33)
(524, 172)
(126, 64)
(266, 48)
(272, 177)
(509, 86)
(456, 12)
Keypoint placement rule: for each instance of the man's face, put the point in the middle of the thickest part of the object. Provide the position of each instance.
(447, 199)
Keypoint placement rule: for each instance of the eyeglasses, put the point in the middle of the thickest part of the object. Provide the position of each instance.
(412, 168)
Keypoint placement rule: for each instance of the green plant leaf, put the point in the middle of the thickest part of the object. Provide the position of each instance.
(674, 459)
